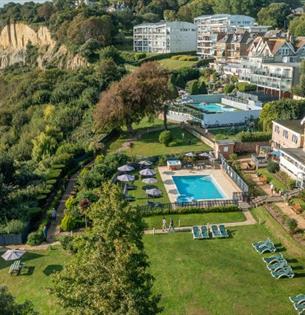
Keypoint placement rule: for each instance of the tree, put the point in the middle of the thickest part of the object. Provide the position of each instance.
(165, 137)
(229, 88)
(113, 53)
(139, 94)
(169, 15)
(45, 11)
(274, 15)
(284, 109)
(196, 87)
(297, 26)
(108, 274)
(8, 306)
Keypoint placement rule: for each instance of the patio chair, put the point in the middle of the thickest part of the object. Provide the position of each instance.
(223, 231)
(205, 232)
(297, 299)
(215, 231)
(196, 232)
(277, 266)
(273, 259)
(285, 272)
(262, 243)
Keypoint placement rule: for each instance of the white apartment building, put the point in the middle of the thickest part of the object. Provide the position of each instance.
(165, 37)
(211, 28)
(276, 79)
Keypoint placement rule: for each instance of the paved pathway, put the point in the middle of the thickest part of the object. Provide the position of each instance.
(248, 215)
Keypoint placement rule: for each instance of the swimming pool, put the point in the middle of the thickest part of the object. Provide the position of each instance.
(213, 107)
(198, 187)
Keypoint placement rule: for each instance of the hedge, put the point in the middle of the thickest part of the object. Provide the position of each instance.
(166, 55)
(247, 136)
(165, 210)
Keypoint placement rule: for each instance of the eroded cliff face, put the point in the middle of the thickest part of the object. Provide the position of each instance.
(15, 37)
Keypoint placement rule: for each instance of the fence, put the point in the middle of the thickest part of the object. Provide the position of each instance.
(162, 208)
(233, 175)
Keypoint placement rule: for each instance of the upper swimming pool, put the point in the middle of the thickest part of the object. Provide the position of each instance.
(213, 107)
(197, 187)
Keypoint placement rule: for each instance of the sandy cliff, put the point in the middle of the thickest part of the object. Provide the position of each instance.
(15, 37)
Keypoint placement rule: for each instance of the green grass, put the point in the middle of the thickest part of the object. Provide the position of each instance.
(223, 276)
(172, 64)
(140, 195)
(33, 282)
(278, 183)
(149, 144)
(195, 219)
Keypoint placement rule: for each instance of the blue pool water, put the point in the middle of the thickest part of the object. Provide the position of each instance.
(197, 187)
(213, 107)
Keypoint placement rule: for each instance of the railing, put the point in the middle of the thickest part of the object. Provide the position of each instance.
(233, 175)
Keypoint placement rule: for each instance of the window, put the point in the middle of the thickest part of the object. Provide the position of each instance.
(225, 149)
(276, 129)
(295, 139)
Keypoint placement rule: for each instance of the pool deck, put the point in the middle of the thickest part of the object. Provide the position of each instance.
(227, 186)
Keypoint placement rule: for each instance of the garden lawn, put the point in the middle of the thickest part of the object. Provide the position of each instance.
(172, 64)
(35, 279)
(148, 144)
(140, 194)
(194, 219)
(224, 276)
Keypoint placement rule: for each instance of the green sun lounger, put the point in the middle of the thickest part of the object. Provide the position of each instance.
(277, 266)
(262, 243)
(196, 233)
(285, 272)
(205, 232)
(300, 308)
(273, 259)
(300, 298)
(223, 231)
(215, 231)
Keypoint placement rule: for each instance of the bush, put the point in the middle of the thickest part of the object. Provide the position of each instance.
(196, 87)
(35, 238)
(165, 137)
(273, 167)
(229, 88)
(292, 225)
(245, 87)
(12, 227)
(70, 223)
(247, 136)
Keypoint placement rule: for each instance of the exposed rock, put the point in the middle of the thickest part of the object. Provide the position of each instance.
(14, 38)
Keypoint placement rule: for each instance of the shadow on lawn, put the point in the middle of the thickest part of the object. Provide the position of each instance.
(27, 271)
(50, 269)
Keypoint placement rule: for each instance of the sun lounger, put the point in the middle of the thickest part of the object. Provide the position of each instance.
(196, 233)
(262, 243)
(266, 249)
(285, 272)
(300, 298)
(205, 232)
(273, 259)
(223, 231)
(278, 266)
(215, 231)
(300, 308)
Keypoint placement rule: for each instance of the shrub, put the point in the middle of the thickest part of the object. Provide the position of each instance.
(12, 227)
(228, 88)
(245, 87)
(273, 167)
(35, 238)
(292, 225)
(185, 210)
(247, 136)
(165, 137)
(70, 223)
(196, 87)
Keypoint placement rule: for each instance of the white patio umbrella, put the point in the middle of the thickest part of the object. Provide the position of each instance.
(145, 163)
(125, 168)
(154, 192)
(13, 254)
(204, 154)
(149, 180)
(190, 154)
(147, 172)
(126, 178)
